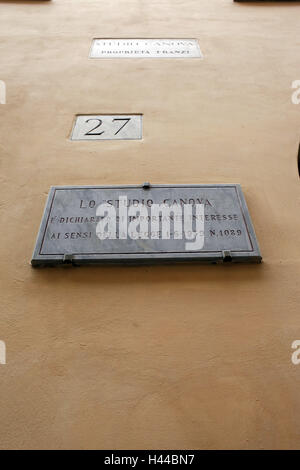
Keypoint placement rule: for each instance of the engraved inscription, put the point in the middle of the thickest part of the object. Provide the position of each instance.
(145, 48)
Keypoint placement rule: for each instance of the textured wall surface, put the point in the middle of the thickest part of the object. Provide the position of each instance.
(151, 357)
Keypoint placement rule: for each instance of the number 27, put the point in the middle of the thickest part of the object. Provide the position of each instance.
(91, 132)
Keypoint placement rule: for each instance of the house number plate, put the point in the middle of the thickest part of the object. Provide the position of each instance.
(107, 127)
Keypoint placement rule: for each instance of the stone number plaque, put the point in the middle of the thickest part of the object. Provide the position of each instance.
(145, 224)
(145, 48)
(107, 127)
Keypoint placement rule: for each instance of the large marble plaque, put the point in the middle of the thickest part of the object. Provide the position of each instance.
(145, 48)
(72, 227)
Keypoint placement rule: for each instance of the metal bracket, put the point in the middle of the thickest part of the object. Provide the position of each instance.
(227, 257)
(68, 259)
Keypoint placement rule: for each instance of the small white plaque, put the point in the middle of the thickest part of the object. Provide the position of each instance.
(145, 48)
(108, 127)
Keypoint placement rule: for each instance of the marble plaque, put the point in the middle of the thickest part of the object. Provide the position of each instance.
(107, 127)
(118, 224)
(145, 48)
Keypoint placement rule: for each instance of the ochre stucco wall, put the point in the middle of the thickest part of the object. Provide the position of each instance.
(151, 357)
